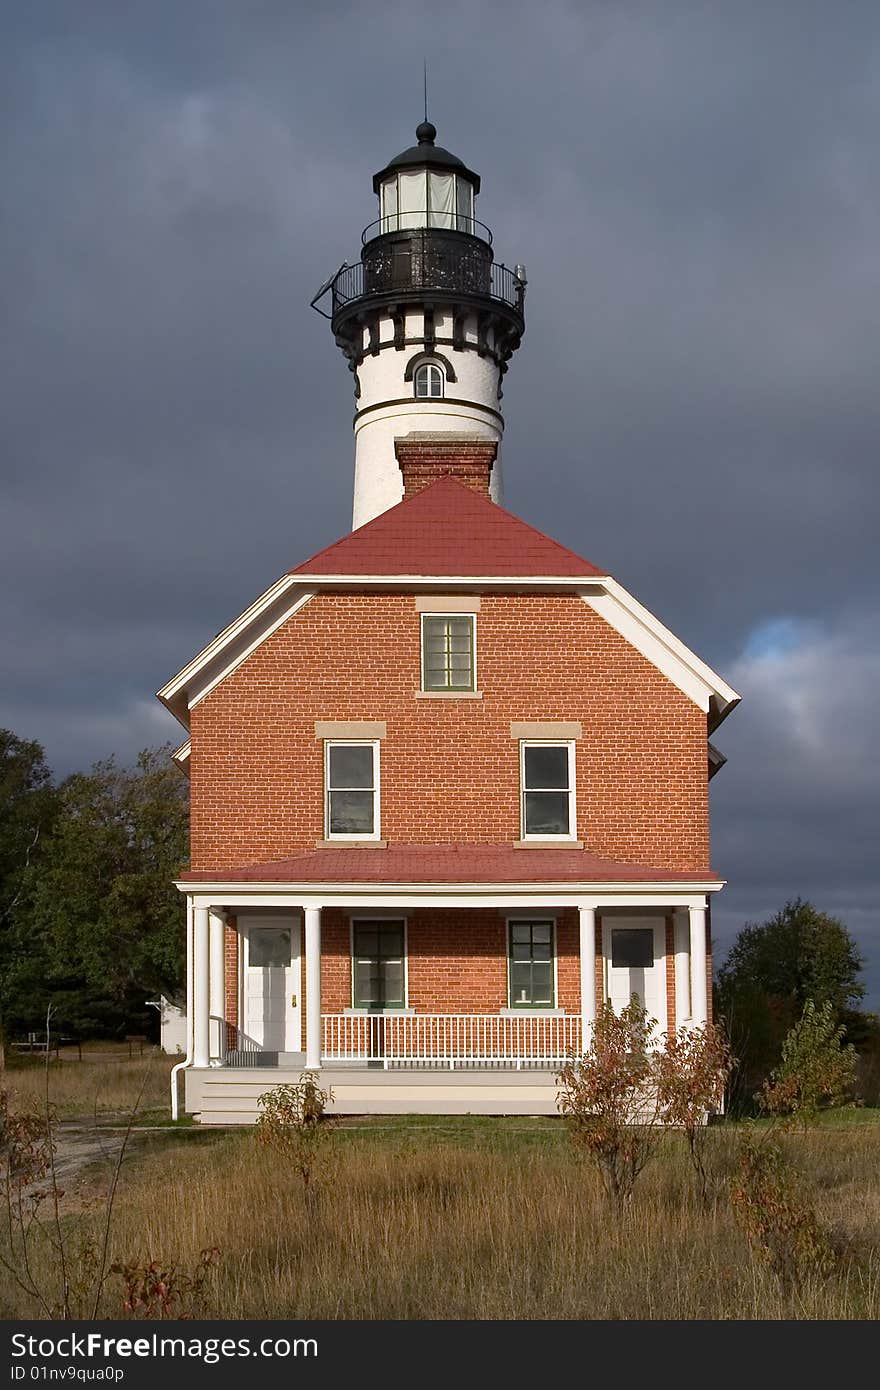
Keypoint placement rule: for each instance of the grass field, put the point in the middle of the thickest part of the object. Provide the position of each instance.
(106, 1079)
(471, 1218)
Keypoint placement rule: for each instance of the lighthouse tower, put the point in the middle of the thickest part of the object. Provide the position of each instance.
(427, 320)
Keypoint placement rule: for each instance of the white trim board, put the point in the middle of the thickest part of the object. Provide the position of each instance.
(232, 646)
(501, 895)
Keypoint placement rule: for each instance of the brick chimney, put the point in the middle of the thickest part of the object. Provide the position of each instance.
(425, 457)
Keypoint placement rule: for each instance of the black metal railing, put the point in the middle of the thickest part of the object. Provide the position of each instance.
(433, 218)
(423, 264)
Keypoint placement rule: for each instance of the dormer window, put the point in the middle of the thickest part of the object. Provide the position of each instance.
(428, 381)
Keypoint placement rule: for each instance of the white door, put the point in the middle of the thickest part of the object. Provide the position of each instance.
(272, 984)
(635, 963)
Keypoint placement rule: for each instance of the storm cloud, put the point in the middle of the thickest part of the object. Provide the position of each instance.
(695, 192)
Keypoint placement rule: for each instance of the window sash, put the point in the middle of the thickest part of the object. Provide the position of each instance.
(428, 382)
(547, 803)
(351, 799)
(531, 964)
(449, 651)
(378, 964)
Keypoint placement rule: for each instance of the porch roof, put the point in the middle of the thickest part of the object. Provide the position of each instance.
(419, 864)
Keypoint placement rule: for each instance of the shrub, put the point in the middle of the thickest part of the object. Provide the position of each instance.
(693, 1070)
(610, 1096)
(816, 1069)
(775, 1211)
(292, 1121)
(159, 1290)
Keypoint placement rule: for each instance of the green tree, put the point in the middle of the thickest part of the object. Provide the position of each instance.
(817, 1068)
(771, 971)
(104, 909)
(28, 804)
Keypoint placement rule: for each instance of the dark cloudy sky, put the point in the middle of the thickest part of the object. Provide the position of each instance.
(695, 191)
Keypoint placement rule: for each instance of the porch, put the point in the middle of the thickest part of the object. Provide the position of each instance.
(444, 997)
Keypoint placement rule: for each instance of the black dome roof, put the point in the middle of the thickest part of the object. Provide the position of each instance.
(427, 155)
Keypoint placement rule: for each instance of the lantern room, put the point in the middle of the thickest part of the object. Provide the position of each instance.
(426, 186)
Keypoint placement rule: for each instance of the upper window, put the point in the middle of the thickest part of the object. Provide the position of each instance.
(428, 380)
(530, 965)
(547, 791)
(351, 779)
(448, 651)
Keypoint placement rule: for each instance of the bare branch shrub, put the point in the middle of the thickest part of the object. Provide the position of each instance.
(693, 1069)
(293, 1123)
(773, 1207)
(610, 1096)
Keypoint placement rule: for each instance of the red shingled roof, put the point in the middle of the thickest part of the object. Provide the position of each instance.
(448, 529)
(444, 864)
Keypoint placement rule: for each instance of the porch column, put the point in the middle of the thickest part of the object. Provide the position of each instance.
(699, 993)
(313, 988)
(682, 968)
(217, 990)
(201, 999)
(588, 974)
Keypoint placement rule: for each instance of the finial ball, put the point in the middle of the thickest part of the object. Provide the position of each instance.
(426, 133)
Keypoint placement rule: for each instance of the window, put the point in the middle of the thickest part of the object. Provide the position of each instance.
(378, 956)
(530, 965)
(448, 651)
(269, 946)
(351, 778)
(632, 948)
(428, 380)
(547, 782)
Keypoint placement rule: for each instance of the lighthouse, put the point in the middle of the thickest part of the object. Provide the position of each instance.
(427, 320)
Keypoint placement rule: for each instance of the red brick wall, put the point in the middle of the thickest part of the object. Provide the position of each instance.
(456, 960)
(450, 770)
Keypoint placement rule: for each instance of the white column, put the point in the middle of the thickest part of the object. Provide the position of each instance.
(217, 930)
(201, 995)
(588, 974)
(682, 968)
(699, 999)
(313, 988)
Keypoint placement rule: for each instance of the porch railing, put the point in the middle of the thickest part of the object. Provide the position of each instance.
(451, 1040)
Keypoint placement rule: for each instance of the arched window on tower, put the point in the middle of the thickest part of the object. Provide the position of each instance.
(428, 381)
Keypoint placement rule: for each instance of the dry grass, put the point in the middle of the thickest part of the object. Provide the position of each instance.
(478, 1218)
(106, 1078)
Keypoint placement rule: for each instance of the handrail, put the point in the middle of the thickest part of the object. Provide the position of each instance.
(435, 221)
(451, 1040)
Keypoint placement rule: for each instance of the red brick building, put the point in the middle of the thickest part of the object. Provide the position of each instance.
(449, 779)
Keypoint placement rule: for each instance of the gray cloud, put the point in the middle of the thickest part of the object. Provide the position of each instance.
(694, 189)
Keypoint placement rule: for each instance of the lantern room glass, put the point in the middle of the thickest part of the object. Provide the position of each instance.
(426, 198)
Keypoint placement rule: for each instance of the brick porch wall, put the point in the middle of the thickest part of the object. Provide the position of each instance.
(457, 962)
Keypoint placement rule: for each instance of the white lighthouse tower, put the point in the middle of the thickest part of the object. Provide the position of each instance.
(427, 319)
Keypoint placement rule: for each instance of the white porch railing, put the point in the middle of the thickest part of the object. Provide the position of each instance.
(451, 1040)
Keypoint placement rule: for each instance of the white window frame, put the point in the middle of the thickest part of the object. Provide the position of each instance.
(423, 368)
(568, 743)
(364, 919)
(449, 691)
(523, 1011)
(375, 744)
